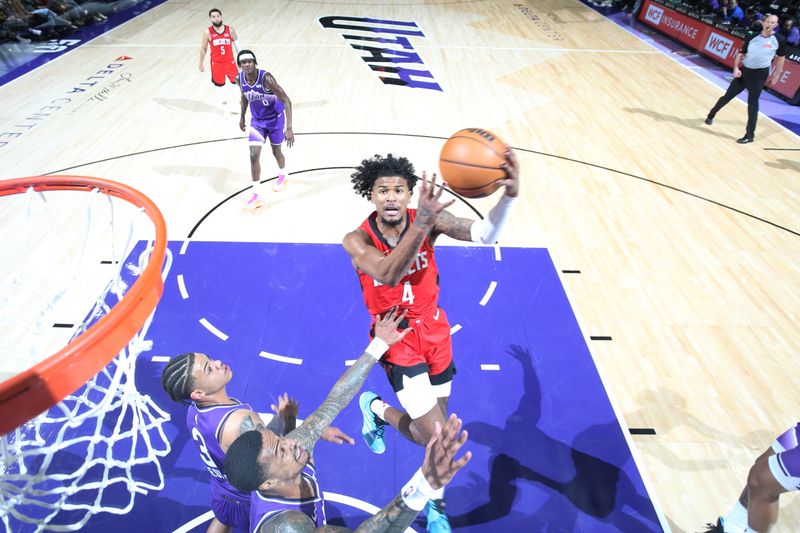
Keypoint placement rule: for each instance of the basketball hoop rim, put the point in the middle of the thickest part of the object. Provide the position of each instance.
(33, 391)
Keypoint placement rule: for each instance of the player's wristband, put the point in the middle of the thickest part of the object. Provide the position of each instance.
(377, 348)
(417, 491)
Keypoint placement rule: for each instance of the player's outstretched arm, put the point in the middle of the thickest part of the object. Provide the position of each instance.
(485, 231)
(391, 268)
(346, 387)
(438, 468)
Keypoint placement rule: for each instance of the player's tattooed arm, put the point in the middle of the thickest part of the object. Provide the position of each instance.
(346, 387)
(343, 391)
(395, 517)
(250, 422)
(453, 226)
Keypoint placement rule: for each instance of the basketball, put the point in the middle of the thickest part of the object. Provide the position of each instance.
(470, 162)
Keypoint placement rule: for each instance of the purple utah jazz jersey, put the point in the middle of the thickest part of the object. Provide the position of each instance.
(263, 507)
(263, 102)
(205, 424)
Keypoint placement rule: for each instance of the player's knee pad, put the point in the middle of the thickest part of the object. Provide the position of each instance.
(443, 390)
(417, 395)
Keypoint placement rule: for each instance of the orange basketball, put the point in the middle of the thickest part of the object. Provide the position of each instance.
(470, 162)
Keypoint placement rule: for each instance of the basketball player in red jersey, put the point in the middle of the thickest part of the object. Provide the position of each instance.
(224, 47)
(393, 254)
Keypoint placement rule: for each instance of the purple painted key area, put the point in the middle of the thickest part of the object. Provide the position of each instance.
(549, 453)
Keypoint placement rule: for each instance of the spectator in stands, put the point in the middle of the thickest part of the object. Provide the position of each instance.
(790, 31)
(710, 7)
(76, 13)
(10, 26)
(40, 18)
(731, 12)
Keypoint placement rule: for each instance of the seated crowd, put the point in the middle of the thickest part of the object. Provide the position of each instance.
(40, 20)
(747, 15)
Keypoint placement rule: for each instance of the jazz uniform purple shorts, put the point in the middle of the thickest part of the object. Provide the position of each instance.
(269, 128)
(230, 509)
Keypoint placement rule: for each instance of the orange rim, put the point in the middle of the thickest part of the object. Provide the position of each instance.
(40, 387)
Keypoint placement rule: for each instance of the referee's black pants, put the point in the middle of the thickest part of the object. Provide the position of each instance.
(752, 79)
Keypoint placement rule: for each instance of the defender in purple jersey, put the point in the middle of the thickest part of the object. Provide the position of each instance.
(271, 112)
(280, 470)
(215, 420)
(774, 472)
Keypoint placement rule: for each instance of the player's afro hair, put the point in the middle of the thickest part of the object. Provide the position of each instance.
(363, 179)
(176, 378)
(241, 462)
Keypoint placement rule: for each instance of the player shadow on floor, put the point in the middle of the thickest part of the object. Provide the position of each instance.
(784, 164)
(577, 482)
(695, 123)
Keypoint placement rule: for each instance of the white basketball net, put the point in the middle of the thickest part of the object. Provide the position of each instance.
(101, 446)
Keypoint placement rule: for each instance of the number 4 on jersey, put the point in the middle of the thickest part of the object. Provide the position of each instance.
(408, 294)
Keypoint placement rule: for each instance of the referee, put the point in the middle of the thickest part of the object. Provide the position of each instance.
(758, 52)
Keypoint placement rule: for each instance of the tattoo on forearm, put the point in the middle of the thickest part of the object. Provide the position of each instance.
(342, 393)
(395, 517)
(452, 226)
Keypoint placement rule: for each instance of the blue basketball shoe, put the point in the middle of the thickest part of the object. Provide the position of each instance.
(437, 519)
(372, 429)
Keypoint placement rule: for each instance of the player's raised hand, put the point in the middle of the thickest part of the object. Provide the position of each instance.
(286, 407)
(429, 205)
(336, 436)
(440, 464)
(386, 327)
(511, 167)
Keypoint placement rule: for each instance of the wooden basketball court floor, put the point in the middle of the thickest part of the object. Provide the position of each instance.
(688, 244)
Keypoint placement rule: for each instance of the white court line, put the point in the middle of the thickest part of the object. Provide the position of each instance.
(497, 252)
(182, 287)
(490, 367)
(281, 358)
(455, 328)
(184, 246)
(428, 47)
(190, 525)
(489, 293)
(350, 362)
(160, 358)
(210, 327)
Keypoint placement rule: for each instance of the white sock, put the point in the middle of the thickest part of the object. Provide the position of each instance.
(750, 530)
(258, 188)
(438, 494)
(379, 407)
(737, 516)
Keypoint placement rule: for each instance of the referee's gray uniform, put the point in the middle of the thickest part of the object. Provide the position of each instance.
(759, 51)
